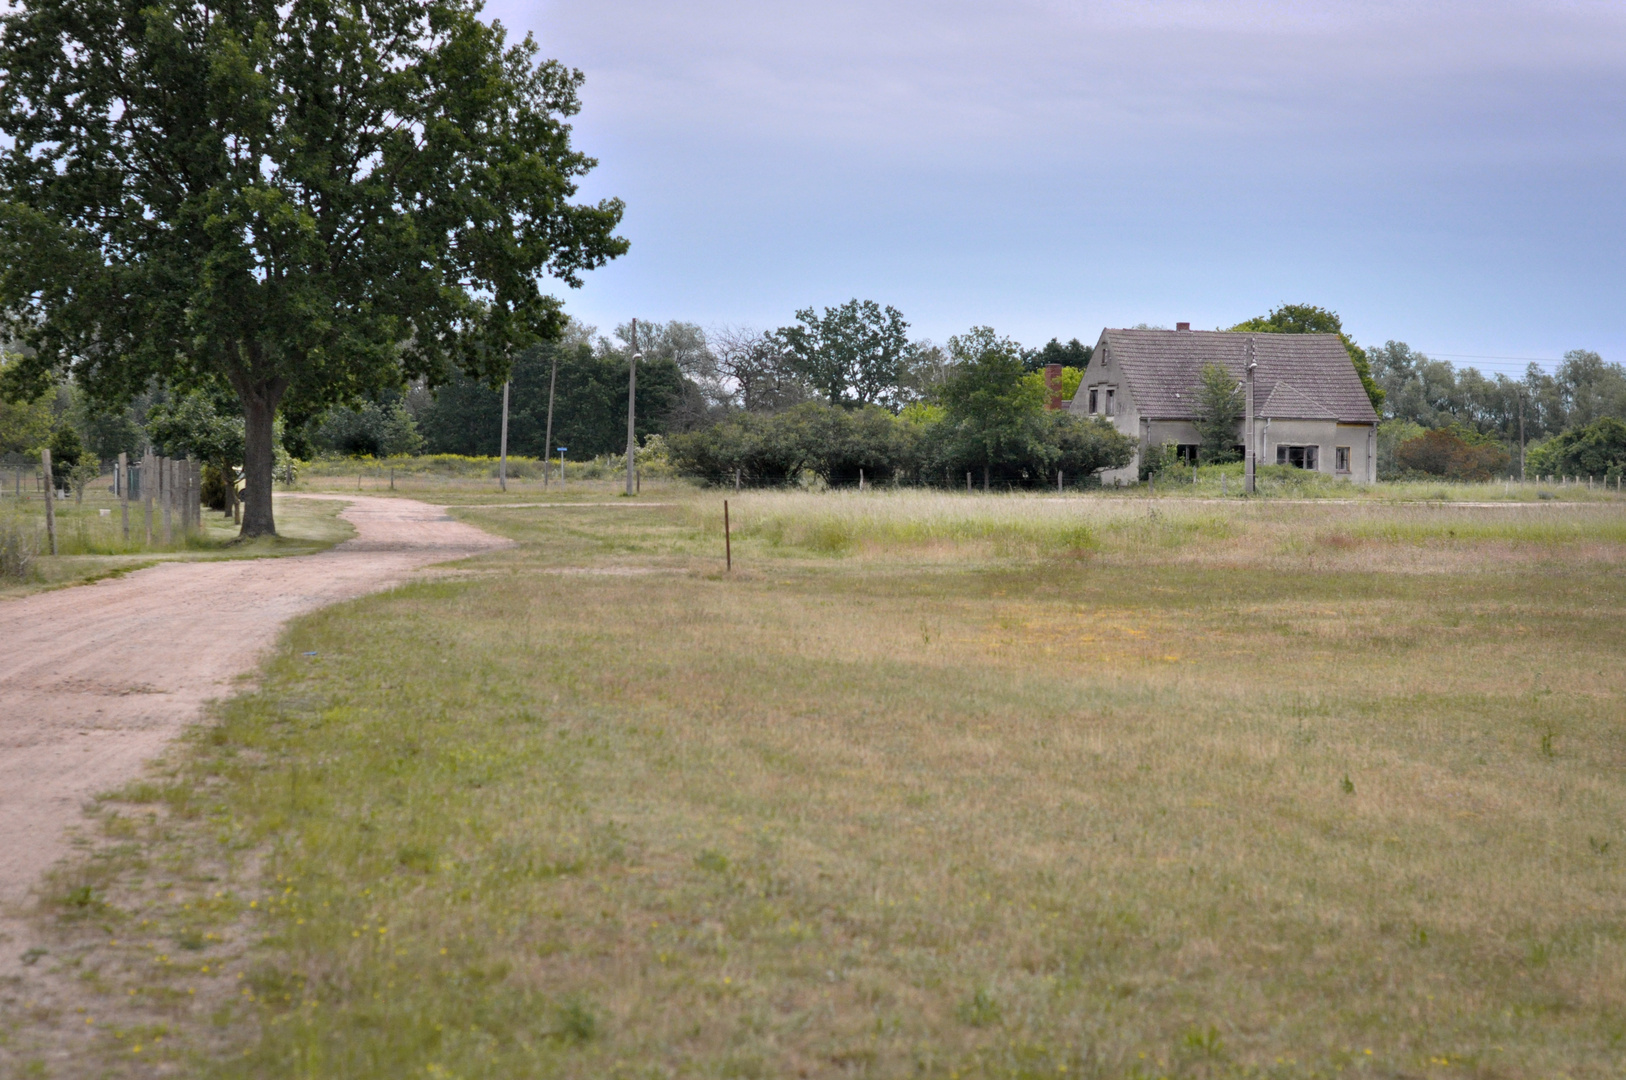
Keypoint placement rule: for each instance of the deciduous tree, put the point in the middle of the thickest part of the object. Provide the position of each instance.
(306, 201)
(853, 354)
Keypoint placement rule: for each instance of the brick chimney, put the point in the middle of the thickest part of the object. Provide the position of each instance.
(1182, 326)
(1052, 382)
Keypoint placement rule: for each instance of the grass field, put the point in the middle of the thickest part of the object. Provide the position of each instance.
(928, 786)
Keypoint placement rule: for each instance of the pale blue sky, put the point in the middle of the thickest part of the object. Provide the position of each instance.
(1449, 174)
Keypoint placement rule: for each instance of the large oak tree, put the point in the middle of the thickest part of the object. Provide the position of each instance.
(308, 201)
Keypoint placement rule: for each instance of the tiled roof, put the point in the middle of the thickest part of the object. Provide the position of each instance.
(1299, 376)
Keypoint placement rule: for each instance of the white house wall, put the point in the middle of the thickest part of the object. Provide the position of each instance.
(1126, 416)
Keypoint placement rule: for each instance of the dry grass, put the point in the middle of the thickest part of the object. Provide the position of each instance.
(929, 786)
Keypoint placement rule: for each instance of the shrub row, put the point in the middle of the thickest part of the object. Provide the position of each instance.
(922, 446)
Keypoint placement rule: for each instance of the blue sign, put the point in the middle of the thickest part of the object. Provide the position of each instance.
(562, 449)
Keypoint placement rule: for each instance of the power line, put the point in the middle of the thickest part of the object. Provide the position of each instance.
(1481, 356)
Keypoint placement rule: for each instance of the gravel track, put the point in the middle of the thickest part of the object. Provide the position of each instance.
(97, 679)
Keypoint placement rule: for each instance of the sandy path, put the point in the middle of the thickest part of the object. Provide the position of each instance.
(95, 680)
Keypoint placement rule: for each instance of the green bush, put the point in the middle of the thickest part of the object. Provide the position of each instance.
(1599, 449)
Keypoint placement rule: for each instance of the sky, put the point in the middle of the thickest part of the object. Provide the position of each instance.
(1451, 175)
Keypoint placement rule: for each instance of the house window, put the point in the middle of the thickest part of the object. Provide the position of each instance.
(1340, 458)
(1095, 394)
(1187, 452)
(1112, 393)
(1300, 457)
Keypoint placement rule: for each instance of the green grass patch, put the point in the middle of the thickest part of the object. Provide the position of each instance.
(947, 806)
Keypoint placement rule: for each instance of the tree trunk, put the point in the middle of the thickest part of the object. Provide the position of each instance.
(260, 402)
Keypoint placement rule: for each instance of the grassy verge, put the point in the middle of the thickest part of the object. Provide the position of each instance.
(1087, 790)
(92, 545)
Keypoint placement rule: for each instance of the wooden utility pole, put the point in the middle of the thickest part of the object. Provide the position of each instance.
(50, 498)
(1248, 363)
(1521, 436)
(632, 408)
(124, 493)
(728, 540)
(547, 444)
(502, 461)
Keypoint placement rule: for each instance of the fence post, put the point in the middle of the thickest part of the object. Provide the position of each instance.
(728, 539)
(968, 481)
(166, 501)
(1058, 481)
(124, 493)
(50, 498)
(149, 478)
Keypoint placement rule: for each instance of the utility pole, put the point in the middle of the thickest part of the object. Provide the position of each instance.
(632, 407)
(50, 498)
(1521, 436)
(502, 461)
(1249, 363)
(547, 443)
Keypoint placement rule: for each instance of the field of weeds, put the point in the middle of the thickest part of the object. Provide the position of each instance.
(929, 785)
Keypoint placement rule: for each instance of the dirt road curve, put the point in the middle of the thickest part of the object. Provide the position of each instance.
(95, 680)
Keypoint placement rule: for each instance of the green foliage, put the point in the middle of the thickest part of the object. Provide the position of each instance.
(201, 425)
(1598, 449)
(1309, 319)
(1074, 354)
(309, 203)
(853, 354)
(25, 425)
(1220, 405)
(1456, 453)
(993, 412)
(375, 429)
(66, 451)
(1435, 393)
(1391, 435)
(922, 444)
(590, 405)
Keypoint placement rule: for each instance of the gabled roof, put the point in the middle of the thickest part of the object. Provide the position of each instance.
(1299, 376)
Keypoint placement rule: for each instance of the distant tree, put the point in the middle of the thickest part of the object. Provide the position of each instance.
(1598, 449)
(762, 372)
(927, 366)
(1074, 354)
(1219, 415)
(66, 452)
(209, 427)
(24, 425)
(307, 203)
(1592, 388)
(383, 428)
(994, 411)
(1457, 453)
(852, 354)
(1309, 319)
(590, 411)
(1392, 435)
(1086, 445)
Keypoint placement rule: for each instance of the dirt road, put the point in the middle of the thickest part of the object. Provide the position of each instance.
(95, 680)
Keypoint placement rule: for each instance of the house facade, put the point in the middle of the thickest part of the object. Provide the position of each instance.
(1310, 409)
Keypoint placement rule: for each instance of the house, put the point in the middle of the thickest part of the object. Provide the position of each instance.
(1310, 409)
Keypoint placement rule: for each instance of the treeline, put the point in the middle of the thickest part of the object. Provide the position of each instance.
(1442, 420)
(847, 389)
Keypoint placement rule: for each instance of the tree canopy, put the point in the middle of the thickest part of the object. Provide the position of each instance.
(853, 354)
(1309, 319)
(1220, 404)
(307, 202)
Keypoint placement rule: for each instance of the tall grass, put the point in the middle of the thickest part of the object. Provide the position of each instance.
(1162, 817)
